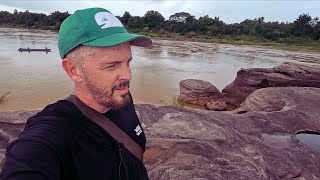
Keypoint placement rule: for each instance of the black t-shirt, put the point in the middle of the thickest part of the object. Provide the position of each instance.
(61, 143)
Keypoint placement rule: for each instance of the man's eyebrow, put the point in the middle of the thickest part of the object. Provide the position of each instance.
(114, 62)
(117, 61)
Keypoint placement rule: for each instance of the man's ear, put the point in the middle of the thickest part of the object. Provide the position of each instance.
(72, 69)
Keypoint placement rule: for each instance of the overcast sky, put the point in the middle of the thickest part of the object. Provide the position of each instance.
(229, 11)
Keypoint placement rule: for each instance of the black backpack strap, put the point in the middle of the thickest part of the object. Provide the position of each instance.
(108, 126)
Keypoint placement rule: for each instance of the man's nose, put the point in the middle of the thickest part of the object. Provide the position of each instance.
(125, 73)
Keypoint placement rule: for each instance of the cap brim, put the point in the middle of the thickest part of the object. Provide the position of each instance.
(119, 38)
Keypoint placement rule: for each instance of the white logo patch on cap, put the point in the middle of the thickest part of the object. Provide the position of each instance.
(106, 20)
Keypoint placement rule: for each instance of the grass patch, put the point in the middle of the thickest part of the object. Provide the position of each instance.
(177, 102)
(4, 95)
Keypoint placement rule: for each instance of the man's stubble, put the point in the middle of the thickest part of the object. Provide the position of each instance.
(105, 97)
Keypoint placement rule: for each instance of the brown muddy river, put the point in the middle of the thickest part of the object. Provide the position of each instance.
(36, 79)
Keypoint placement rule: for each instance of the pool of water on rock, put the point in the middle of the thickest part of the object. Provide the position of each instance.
(310, 139)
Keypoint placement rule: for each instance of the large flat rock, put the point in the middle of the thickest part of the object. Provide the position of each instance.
(286, 75)
(257, 141)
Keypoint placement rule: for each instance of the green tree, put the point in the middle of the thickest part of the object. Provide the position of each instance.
(316, 31)
(125, 18)
(180, 22)
(153, 19)
(56, 18)
(248, 27)
(205, 21)
(29, 23)
(302, 26)
(183, 17)
(231, 29)
(4, 17)
(208, 25)
(135, 22)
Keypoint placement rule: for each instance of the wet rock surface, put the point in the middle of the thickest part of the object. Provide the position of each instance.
(285, 75)
(256, 141)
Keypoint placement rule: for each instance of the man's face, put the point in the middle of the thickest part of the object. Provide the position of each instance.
(107, 74)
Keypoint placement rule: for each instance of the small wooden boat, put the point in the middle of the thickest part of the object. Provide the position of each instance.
(30, 50)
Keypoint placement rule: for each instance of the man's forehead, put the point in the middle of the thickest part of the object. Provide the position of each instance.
(106, 54)
(120, 47)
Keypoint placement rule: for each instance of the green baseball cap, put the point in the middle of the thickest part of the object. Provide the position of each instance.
(95, 27)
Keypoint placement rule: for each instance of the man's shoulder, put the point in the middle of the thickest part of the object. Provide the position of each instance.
(61, 109)
(56, 114)
(54, 125)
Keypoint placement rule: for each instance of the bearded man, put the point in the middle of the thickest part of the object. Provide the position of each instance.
(61, 142)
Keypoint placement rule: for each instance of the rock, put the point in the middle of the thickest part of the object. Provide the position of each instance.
(11, 124)
(216, 105)
(197, 92)
(257, 141)
(267, 100)
(222, 145)
(285, 75)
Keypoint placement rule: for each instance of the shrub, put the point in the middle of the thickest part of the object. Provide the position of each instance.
(146, 29)
(177, 102)
(161, 31)
(191, 34)
(4, 95)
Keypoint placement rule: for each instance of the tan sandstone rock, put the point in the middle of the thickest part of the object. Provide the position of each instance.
(197, 92)
(216, 105)
(285, 75)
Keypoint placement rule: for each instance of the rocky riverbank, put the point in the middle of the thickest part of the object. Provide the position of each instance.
(256, 141)
(203, 93)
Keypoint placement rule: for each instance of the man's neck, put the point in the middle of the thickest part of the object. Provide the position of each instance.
(89, 101)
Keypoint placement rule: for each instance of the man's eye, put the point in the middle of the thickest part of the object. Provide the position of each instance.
(112, 65)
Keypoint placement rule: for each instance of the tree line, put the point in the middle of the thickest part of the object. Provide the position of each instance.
(183, 23)
(33, 20)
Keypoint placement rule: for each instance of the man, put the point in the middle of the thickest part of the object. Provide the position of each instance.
(62, 143)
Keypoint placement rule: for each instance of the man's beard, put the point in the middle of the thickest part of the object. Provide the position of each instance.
(104, 97)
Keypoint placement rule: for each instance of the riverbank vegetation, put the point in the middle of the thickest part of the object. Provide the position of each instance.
(4, 95)
(302, 34)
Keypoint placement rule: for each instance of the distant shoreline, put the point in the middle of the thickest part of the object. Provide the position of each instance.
(244, 40)
(313, 46)
(50, 28)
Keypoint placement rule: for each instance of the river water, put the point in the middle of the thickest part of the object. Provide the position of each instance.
(36, 79)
